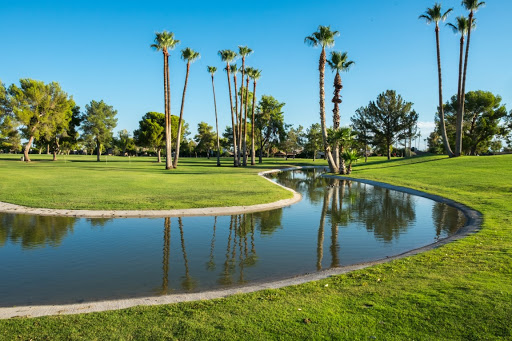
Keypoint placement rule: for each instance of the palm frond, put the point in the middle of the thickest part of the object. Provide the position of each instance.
(190, 55)
(211, 69)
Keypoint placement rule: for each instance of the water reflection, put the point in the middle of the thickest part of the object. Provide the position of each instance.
(338, 222)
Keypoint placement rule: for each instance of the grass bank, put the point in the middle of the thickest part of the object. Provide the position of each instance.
(78, 182)
(462, 290)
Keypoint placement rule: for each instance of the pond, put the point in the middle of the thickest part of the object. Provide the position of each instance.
(57, 260)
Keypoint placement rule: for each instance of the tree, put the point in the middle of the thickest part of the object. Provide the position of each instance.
(164, 41)
(205, 138)
(228, 56)
(42, 109)
(343, 137)
(9, 136)
(124, 142)
(410, 129)
(238, 119)
(483, 118)
(270, 123)
(98, 122)
(361, 126)
(434, 15)
(294, 141)
(212, 70)
(472, 6)
(243, 51)
(255, 74)
(350, 156)
(70, 139)
(190, 56)
(338, 62)
(386, 118)
(313, 139)
(324, 38)
(151, 132)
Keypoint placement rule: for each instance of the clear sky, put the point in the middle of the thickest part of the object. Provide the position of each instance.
(100, 50)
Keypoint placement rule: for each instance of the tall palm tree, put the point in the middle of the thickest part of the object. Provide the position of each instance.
(243, 51)
(338, 62)
(435, 15)
(461, 27)
(190, 56)
(255, 74)
(472, 6)
(228, 56)
(244, 142)
(234, 71)
(324, 38)
(212, 70)
(164, 41)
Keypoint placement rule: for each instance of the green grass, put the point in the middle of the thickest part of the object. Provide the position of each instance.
(462, 290)
(78, 182)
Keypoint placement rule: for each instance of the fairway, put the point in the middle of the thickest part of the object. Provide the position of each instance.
(459, 291)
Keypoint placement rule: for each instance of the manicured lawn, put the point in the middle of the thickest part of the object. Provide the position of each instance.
(78, 182)
(462, 290)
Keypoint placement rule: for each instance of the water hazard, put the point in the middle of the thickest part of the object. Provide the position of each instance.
(54, 260)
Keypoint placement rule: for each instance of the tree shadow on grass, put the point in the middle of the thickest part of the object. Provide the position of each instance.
(398, 162)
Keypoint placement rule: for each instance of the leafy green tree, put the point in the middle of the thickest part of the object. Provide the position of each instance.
(313, 140)
(164, 41)
(361, 127)
(212, 70)
(435, 15)
(386, 118)
(229, 56)
(190, 56)
(410, 130)
(124, 142)
(98, 122)
(42, 109)
(151, 132)
(70, 138)
(294, 141)
(10, 139)
(270, 123)
(338, 62)
(205, 138)
(324, 38)
(484, 120)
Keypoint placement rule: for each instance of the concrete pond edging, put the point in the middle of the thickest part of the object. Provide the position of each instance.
(473, 224)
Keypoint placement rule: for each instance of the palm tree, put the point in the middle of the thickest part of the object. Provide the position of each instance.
(255, 74)
(164, 41)
(243, 51)
(324, 37)
(350, 156)
(338, 62)
(190, 56)
(212, 70)
(228, 56)
(472, 6)
(434, 15)
(244, 142)
(462, 28)
(234, 70)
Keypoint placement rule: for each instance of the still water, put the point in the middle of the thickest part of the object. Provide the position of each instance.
(51, 260)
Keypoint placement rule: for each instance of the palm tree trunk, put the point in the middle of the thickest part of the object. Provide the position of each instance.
(237, 123)
(245, 121)
(459, 84)
(216, 124)
(240, 130)
(441, 109)
(327, 148)
(253, 151)
(336, 115)
(460, 112)
(167, 95)
(178, 138)
(235, 161)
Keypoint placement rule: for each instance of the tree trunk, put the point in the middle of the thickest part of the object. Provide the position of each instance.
(327, 148)
(178, 138)
(253, 151)
(441, 109)
(240, 130)
(388, 145)
(336, 116)
(98, 152)
(314, 155)
(460, 113)
(261, 149)
(235, 163)
(216, 124)
(245, 122)
(167, 98)
(158, 157)
(237, 124)
(27, 148)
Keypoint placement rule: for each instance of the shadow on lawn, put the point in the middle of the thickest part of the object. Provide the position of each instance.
(398, 162)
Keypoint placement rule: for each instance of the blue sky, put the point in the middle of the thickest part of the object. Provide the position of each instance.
(100, 50)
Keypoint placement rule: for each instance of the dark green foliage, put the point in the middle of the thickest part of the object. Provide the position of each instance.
(205, 139)
(98, 122)
(313, 140)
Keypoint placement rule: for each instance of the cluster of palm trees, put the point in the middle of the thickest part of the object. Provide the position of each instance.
(239, 110)
(165, 41)
(463, 26)
(324, 38)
